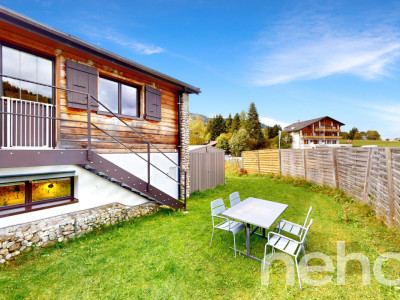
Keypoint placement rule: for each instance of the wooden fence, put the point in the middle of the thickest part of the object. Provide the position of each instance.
(370, 175)
(261, 161)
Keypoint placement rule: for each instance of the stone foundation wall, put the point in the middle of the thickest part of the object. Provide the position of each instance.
(41, 233)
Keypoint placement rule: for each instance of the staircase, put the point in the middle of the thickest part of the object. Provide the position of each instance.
(117, 175)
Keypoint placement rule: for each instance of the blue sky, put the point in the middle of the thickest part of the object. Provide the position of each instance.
(296, 60)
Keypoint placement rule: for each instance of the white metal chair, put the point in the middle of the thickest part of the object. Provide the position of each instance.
(293, 228)
(218, 207)
(288, 246)
(234, 199)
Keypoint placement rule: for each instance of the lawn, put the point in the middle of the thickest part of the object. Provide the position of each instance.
(359, 143)
(167, 255)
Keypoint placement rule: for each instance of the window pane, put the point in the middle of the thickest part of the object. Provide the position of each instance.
(51, 188)
(11, 88)
(11, 61)
(12, 193)
(30, 67)
(129, 100)
(44, 75)
(108, 94)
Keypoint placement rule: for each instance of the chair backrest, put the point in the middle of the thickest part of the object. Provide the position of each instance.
(308, 215)
(217, 207)
(234, 198)
(305, 232)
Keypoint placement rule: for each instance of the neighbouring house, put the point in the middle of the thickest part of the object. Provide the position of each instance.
(64, 168)
(319, 131)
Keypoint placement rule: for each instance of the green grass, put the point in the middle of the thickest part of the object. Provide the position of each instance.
(359, 143)
(167, 255)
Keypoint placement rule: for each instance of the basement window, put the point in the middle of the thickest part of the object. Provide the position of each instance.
(20, 194)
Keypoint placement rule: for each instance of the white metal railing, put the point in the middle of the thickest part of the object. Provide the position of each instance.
(26, 124)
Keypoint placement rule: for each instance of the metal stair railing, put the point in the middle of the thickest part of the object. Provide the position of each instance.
(89, 123)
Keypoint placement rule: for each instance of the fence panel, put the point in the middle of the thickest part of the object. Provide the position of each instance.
(292, 162)
(352, 164)
(268, 161)
(396, 183)
(378, 190)
(320, 166)
(250, 161)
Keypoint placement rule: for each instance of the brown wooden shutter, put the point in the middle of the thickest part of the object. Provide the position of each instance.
(83, 79)
(153, 104)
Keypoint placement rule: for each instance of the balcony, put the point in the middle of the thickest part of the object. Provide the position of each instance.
(319, 137)
(327, 129)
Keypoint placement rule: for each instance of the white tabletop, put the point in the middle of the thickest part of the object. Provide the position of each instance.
(259, 212)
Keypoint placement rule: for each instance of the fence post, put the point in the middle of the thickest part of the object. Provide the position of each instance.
(280, 161)
(258, 162)
(304, 163)
(390, 185)
(366, 184)
(335, 167)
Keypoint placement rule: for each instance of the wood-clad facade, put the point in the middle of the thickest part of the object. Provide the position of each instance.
(162, 132)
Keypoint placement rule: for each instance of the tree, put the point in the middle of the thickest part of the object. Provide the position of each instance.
(253, 126)
(373, 135)
(228, 123)
(216, 126)
(197, 131)
(286, 140)
(235, 126)
(352, 132)
(242, 119)
(239, 142)
(273, 131)
(344, 135)
(357, 136)
(223, 142)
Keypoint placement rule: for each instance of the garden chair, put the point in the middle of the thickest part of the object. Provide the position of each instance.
(234, 199)
(218, 207)
(293, 228)
(288, 246)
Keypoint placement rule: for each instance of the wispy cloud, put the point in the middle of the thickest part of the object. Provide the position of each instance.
(107, 34)
(304, 50)
(271, 122)
(390, 113)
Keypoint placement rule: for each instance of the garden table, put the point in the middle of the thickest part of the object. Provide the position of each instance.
(258, 212)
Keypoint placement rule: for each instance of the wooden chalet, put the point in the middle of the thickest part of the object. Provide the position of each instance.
(319, 131)
(130, 147)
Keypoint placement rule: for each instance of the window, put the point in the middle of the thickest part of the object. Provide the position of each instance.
(24, 196)
(24, 65)
(120, 98)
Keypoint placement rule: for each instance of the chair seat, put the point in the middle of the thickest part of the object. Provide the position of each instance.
(289, 228)
(235, 227)
(283, 244)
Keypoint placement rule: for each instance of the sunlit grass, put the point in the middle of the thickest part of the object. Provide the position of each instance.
(167, 255)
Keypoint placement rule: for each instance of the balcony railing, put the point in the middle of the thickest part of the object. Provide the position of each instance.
(316, 137)
(327, 129)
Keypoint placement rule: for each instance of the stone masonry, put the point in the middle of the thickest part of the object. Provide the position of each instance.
(185, 119)
(41, 233)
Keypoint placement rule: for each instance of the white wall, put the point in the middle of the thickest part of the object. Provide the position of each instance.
(90, 189)
(138, 167)
(296, 140)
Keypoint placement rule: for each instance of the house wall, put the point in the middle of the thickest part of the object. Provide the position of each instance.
(91, 191)
(163, 134)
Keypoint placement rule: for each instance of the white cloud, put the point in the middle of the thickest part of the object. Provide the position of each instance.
(112, 36)
(390, 113)
(304, 50)
(271, 122)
